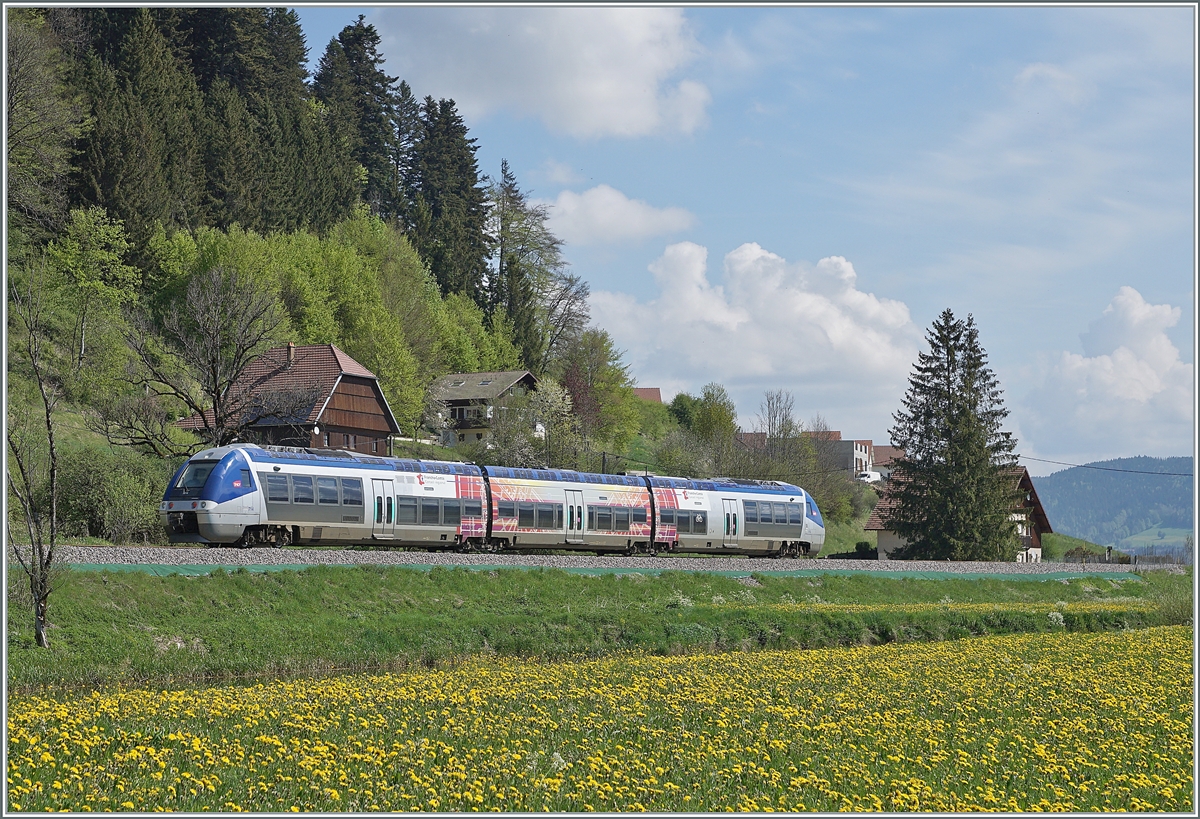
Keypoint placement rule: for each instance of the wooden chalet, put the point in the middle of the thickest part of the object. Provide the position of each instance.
(336, 403)
(469, 397)
(1029, 515)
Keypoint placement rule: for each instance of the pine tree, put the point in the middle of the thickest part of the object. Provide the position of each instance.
(448, 214)
(954, 486)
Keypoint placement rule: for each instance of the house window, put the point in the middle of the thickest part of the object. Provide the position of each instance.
(462, 437)
(458, 383)
(345, 439)
(478, 436)
(374, 444)
(326, 439)
(485, 382)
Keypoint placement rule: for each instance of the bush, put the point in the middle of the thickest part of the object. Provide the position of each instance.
(113, 493)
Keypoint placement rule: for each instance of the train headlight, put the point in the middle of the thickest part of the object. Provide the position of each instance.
(193, 504)
(203, 505)
(170, 506)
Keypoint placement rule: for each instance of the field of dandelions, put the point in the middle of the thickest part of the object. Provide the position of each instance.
(1053, 721)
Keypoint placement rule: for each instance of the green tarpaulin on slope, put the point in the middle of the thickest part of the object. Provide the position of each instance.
(203, 569)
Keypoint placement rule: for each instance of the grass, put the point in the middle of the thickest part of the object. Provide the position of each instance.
(134, 628)
(1158, 536)
(1055, 547)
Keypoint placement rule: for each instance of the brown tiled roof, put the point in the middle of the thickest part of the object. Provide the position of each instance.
(888, 501)
(648, 394)
(315, 367)
(884, 455)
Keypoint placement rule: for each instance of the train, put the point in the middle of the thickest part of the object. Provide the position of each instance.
(247, 495)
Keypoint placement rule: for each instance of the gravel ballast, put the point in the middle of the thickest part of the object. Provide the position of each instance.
(185, 556)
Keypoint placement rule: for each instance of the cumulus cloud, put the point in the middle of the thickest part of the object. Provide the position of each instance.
(587, 72)
(842, 352)
(1128, 391)
(604, 214)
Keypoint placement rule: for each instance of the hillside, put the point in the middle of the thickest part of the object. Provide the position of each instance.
(1106, 507)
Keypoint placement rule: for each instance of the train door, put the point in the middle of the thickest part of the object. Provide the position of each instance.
(574, 517)
(731, 521)
(383, 519)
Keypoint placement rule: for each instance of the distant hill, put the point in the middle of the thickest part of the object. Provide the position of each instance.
(1108, 507)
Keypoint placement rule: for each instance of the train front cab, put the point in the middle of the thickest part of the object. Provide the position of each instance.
(211, 499)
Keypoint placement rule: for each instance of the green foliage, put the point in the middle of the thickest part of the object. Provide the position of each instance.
(683, 409)
(448, 204)
(654, 418)
(44, 116)
(714, 417)
(954, 484)
(113, 493)
(601, 390)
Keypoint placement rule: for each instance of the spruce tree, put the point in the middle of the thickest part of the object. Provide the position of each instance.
(954, 487)
(351, 82)
(448, 215)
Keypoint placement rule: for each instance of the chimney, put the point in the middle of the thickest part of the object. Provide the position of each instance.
(291, 354)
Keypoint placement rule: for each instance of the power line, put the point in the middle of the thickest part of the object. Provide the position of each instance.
(1108, 468)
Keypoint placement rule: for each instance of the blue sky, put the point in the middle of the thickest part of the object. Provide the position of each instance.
(787, 197)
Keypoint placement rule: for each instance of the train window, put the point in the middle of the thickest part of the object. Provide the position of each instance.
(277, 488)
(450, 513)
(525, 517)
(506, 509)
(558, 516)
(604, 518)
(751, 511)
(406, 510)
(246, 482)
(781, 513)
(621, 520)
(327, 491)
(795, 513)
(683, 522)
(351, 492)
(193, 478)
(545, 516)
(639, 515)
(764, 512)
(379, 509)
(390, 509)
(429, 511)
(302, 489)
(472, 509)
(667, 516)
(700, 523)
(591, 517)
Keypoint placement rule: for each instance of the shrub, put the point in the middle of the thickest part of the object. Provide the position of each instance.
(113, 493)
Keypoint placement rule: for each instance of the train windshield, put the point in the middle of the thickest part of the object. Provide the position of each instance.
(192, 480)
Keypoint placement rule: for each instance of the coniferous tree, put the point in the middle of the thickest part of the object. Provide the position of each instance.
(527, 261)
(449, 203)
(350, 80)
(142, 159)
(954, 486)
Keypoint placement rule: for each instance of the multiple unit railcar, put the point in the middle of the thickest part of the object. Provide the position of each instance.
(247, 495)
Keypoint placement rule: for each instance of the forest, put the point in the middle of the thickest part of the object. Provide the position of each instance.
(183, 195)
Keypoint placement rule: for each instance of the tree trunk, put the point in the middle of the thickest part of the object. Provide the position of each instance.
(39, 624)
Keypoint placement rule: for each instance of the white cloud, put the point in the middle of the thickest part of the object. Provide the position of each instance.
(603, 214)
(806, 328)
(587, 72)
(1128, 393)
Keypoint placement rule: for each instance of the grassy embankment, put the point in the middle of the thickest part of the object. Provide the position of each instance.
(136, 628)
